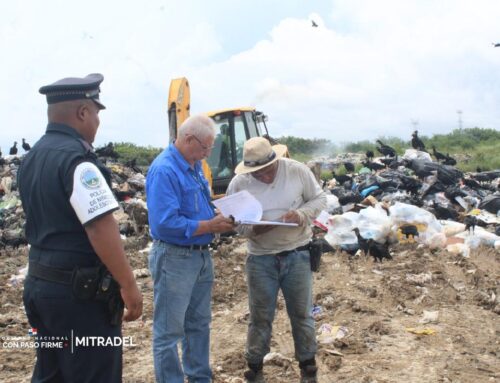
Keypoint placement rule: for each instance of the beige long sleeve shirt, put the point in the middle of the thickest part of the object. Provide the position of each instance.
(293, 188)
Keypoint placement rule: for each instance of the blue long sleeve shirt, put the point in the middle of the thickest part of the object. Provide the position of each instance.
(178, 197)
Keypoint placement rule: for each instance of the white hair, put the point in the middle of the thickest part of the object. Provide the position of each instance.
(199, 125)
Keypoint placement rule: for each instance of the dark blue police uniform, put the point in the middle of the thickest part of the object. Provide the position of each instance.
(59, 245)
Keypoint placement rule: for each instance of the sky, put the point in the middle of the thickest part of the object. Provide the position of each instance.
(370, 69)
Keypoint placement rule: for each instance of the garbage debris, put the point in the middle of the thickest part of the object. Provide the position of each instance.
(414, 200)
(16, 281)
(424, 331)
(328, 333)
(127, 184)
(429, 317)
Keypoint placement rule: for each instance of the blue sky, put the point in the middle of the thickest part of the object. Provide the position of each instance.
(368, 70)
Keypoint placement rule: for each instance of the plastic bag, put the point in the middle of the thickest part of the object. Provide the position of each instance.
(413, 154)
(332, 203)
(459, 249)
(491, 203)
(374, 223)
(451, 228)
(340, 229)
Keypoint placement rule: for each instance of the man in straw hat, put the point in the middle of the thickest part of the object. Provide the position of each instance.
(278, 256)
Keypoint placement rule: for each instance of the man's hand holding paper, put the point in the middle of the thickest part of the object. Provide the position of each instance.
(247, 210)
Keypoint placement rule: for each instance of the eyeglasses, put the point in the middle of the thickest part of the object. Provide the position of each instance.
(203, 146)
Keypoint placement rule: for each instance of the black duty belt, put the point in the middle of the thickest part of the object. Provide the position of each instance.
(286, 252)
(50, 274)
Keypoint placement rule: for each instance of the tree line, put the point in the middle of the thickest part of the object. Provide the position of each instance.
(475, 147)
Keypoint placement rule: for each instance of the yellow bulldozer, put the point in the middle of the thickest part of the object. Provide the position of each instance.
(233, 127)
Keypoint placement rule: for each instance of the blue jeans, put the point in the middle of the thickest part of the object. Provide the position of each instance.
(183, 281)
(266, 274)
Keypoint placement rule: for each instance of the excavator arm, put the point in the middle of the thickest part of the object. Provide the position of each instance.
(179, 105)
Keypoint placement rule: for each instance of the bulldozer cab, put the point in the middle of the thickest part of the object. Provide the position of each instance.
(233, 128)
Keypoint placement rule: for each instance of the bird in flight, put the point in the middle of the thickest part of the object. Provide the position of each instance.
(495, 45)
(314, 24)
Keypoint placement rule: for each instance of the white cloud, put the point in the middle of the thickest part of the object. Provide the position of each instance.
(367, 70)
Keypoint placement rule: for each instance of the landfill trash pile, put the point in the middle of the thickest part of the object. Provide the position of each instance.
(425, 315)
(127, 184)
(415, 199)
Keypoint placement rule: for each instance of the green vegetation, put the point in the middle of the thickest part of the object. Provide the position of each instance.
(472, 147)
(143, 155)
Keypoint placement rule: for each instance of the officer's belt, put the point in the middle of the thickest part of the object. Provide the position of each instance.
(286, 252)
(50, 274)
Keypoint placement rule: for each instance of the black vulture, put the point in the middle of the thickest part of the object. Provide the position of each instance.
(378, 251)
(314, 25)
(386, 150)
(13, 150)
(408, 230)
(470, 221)
(439, 156)
(349, 167)
(496, 45)
(445, 213)
(133, 165)
(341, 179)
(449, 160)
(107, 151)
(369, 154)
(373, 165)
(481, 177)
(396, 163)
(362, 242)
(472, 183)
(416, 142)
(26, 146)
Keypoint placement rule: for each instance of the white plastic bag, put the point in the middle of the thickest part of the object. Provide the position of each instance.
(373, 223)
(340, 229)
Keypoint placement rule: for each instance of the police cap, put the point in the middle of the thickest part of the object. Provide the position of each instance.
(74, 88)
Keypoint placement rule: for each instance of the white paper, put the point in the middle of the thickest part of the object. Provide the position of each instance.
(245, 209)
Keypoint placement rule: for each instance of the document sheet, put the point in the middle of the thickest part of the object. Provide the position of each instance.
(245, 209)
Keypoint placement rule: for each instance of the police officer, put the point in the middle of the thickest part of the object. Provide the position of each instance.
(74, 238)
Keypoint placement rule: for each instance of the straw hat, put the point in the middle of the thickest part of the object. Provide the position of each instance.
(257, 154)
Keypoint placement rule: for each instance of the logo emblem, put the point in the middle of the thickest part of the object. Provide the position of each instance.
(90, 179)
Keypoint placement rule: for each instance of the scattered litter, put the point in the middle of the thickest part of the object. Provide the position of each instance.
(459, 249)
(141, 273)
(276, 358)
(17, 280)
(419, 279)
(424, 331)
(333, 352)
(328, 333)
(316, 311)
(429, 317)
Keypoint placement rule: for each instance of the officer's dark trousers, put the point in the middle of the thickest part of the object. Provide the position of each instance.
(53, 311)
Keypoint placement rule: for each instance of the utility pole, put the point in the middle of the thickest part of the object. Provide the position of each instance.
(459, 112)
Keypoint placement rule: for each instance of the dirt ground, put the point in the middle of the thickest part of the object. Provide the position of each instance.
(377, 304)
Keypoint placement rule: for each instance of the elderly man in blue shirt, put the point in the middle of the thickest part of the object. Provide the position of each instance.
(182, 223)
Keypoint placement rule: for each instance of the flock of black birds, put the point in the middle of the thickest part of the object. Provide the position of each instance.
(13, 150)
(419, 190)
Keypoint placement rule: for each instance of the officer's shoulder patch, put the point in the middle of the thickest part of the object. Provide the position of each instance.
(89, 177)
(91, 196)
